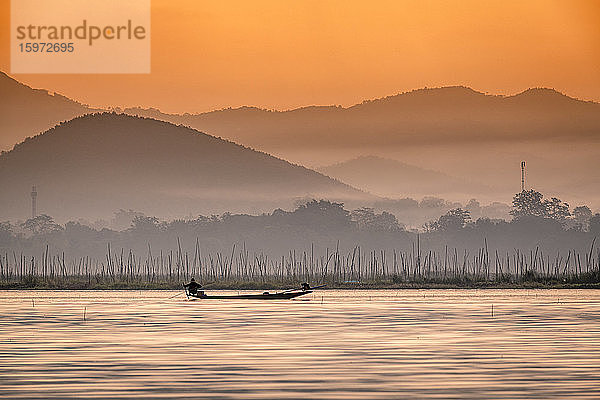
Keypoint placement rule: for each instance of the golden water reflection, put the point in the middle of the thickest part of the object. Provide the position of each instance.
(338, 344)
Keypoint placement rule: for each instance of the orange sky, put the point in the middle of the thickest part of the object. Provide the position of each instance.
(280, 54)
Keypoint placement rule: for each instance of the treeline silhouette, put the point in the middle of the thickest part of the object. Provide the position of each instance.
(546, 243)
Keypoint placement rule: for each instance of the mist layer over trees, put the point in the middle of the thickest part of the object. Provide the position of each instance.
(545, 223)
(543, 233)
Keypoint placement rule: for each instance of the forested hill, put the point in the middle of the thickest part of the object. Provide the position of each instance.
(96, 164)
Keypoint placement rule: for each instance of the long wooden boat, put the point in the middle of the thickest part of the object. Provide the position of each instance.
(285, 295)
(258, 296)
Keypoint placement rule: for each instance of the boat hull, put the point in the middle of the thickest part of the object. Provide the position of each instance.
(261, 296)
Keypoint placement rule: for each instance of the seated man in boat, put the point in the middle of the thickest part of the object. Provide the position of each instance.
(192, 287)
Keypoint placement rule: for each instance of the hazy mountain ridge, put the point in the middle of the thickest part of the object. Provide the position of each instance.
(447, 114)
(25, 111)
(444, 115)
(98, 163)
(393, 178)
(468, 134)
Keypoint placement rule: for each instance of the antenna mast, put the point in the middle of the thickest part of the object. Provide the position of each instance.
(522, 176)
(33, 202)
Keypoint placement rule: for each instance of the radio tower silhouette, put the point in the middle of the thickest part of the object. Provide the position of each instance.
(522, 176)
(33, 202)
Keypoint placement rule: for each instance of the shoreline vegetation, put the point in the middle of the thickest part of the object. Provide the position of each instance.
(357, 268)
(36, 285)
(320, 242)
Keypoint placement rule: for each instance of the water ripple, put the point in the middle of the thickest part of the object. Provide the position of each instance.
(339, 345)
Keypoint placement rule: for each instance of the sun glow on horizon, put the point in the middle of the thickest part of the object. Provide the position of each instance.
(280, 55)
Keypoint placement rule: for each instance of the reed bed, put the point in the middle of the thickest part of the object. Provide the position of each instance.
(239, 268)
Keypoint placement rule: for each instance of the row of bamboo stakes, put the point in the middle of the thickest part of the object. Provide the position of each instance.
(449, 265)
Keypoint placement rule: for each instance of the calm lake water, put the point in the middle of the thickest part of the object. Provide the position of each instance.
(337, 344)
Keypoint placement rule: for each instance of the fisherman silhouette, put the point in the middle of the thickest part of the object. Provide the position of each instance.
(192, 287)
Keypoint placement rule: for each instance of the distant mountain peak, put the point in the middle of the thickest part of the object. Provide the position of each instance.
(390, 177)
(25, 111)
(461, 89)
(7, 82)
(385, 164)
(365, 159)
(549, 96)
(101, 162)
(542, 90)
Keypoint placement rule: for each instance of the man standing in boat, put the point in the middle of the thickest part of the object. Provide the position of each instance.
(192, 287)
